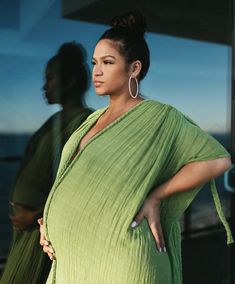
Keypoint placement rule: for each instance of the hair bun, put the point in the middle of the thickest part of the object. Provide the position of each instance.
(74, 51)
(132, 20)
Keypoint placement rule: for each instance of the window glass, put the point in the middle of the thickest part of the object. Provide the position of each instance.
(191, 75)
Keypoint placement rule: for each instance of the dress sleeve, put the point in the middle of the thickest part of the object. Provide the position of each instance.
(192, 144)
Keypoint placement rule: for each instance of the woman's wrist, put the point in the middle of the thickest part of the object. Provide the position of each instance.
(156, 196)
(160, 193)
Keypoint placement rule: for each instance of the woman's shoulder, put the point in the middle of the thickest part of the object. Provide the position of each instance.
(171, 113)
(157, 107)
(160, 105)
(180, 116)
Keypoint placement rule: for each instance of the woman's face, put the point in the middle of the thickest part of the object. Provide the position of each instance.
(110, 72)
(52, 86)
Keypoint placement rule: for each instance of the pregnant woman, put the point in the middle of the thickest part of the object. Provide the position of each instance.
(126, 176)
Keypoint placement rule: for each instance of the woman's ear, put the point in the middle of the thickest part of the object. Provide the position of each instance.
(135, 68)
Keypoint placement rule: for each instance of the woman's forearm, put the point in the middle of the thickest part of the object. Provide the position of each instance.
(190, 176)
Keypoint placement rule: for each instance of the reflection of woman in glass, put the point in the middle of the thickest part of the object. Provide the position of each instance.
(66, 79)
(126, 176)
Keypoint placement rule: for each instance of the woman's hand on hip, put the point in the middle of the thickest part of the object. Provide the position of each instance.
(151, 211)
(47, 248)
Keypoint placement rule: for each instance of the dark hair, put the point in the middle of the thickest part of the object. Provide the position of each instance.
(71, 57)
(128, 32)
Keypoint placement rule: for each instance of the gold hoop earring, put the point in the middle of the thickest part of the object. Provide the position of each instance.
(137, 87)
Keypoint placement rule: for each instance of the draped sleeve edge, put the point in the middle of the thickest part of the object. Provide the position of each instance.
(220, 212)
(213, 188)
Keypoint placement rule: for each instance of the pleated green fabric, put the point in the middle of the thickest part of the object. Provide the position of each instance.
(26, 263)
(41, 160)
(96, 196)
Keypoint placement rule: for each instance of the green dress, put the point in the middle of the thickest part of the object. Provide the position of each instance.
(96, 196)
(26, 263)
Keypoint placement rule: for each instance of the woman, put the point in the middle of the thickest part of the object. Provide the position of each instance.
(66, 80)
(126, 176)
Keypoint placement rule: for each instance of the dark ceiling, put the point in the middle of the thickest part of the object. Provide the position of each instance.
(209, 20)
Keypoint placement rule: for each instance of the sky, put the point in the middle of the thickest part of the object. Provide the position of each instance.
(191, 75)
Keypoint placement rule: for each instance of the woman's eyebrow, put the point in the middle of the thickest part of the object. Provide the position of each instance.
(108, 56)
(105, 56)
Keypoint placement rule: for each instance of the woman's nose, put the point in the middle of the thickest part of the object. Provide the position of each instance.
(44, 87)
(97, 71)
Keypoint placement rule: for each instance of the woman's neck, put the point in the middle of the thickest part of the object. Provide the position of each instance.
(121, 104)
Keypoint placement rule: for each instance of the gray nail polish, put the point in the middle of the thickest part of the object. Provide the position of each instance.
(134, 224)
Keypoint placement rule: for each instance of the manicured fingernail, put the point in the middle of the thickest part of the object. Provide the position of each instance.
(46, 243)
(51, 257)
(164, 249)
(160, 249)
(134, 224)
(51, 251)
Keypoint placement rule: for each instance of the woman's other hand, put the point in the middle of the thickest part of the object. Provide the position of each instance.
(190, 176)
(151, 211)
(47, 248)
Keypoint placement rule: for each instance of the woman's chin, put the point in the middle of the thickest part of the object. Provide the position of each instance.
(101, 94)
(52, 101)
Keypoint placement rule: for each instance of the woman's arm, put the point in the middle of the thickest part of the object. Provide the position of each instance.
(189, 176)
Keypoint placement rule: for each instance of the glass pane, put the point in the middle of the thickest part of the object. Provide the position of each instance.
(193, 76)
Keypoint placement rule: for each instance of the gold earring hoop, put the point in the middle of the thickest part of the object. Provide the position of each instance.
(137, 87)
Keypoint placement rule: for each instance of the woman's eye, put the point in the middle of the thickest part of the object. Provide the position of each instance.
(108, 62)
(93, 62)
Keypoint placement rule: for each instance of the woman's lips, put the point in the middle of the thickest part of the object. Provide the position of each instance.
(98, 83)
(48, 95)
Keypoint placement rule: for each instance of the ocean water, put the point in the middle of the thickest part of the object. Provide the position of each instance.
(11, 150)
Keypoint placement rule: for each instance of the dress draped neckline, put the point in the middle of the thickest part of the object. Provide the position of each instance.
(75, 153)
